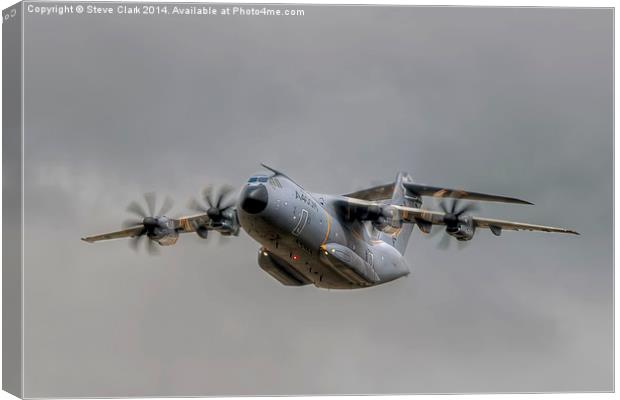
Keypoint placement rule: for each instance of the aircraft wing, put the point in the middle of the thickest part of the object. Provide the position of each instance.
(181, 225)
(190, 224)
(518, 226)
(416, 215)
(125, 233)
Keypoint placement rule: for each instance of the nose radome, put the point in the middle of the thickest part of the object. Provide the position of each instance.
(254, 199)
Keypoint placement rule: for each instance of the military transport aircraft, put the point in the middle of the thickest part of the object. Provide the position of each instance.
(347, 241)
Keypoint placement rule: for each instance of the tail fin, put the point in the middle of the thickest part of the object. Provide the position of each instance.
(400, 239)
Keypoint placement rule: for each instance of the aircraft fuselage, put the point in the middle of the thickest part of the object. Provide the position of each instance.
(304, 241)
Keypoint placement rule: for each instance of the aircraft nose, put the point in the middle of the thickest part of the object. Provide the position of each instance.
(254, 199)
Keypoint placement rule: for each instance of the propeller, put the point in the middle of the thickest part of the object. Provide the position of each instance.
(453, 212)
(148, 219)
(213, 205)
(451, 218)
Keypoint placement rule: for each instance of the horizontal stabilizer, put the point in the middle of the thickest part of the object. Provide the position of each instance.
(439, 192)
(375, 193)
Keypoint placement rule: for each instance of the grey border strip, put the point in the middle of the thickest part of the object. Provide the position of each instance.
(12, 198)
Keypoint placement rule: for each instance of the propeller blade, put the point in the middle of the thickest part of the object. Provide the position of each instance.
(207, 193)
(148, 220)
(468, 207)
(137, 209)
(444, 243)
(215, 209)
(452, 218)
(196, 206)
(134, 242)
(167, 206)
(453, 208)
(228, 207)
(215, 204)
(434, 231)
(150, 202)
(151, 247)
(224, 191)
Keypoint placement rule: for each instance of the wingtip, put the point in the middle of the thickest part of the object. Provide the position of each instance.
(86, 240)
(529, 203)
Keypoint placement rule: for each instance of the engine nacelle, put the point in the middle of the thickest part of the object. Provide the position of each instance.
(387, 220)
(161, 230)
(463, 230)
(168, 239)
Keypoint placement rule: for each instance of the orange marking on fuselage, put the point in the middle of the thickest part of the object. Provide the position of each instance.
(329, 227)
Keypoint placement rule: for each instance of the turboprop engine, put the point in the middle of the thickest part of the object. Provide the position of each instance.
(220, 212)
(154, 226)
(463, 230)
(458, 225)
(386, 219)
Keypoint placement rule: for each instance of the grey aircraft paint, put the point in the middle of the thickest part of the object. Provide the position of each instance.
(330, 241)
(303, 237)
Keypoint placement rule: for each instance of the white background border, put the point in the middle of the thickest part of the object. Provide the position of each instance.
(592, 3)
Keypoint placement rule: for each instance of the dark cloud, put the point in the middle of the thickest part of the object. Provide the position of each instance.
(509, 101)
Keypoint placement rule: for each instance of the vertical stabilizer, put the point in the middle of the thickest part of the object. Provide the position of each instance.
(400, 239)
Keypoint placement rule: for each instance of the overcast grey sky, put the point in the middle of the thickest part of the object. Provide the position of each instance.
(507, 101)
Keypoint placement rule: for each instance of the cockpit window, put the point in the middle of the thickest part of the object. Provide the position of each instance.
(261, 179)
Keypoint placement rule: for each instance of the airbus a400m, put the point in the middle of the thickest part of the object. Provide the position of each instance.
(347, 241)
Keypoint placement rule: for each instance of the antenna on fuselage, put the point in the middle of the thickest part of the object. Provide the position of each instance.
(276, 172)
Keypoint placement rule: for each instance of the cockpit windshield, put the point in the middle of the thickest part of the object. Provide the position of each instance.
(258, 178)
